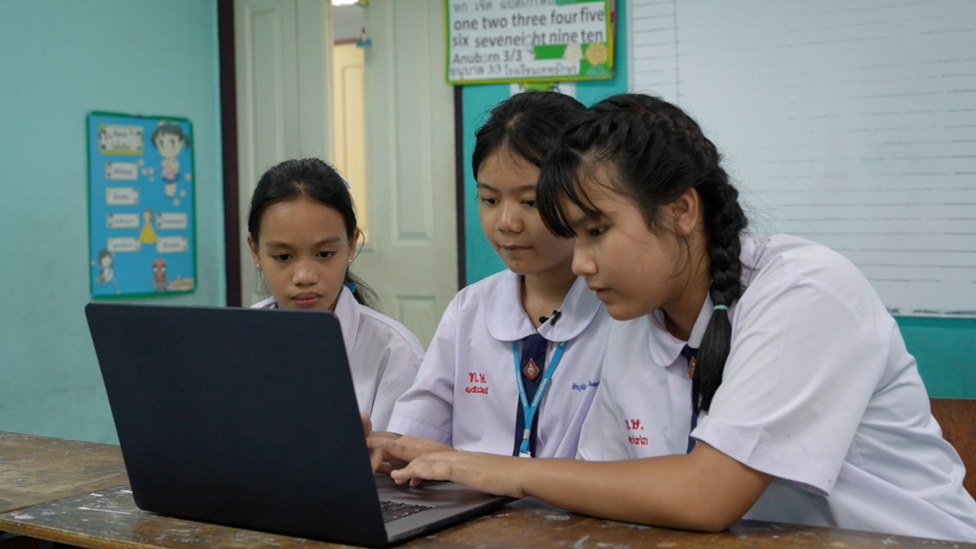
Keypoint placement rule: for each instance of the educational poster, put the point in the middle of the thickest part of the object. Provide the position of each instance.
(141, 205)
(504, 41)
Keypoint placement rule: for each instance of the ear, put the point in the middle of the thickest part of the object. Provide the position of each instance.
(253, 245)
(353, 242)
(685, 212)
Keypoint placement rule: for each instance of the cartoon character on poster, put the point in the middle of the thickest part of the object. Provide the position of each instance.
(106, 270)
(170, 140)
(160, 280)
(148, 234)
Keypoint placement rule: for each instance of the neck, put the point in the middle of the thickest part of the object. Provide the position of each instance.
(335, 302)
(545, 292)
(691, 290)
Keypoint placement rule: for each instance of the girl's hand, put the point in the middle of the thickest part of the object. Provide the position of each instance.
(389, 453)
(498, 475)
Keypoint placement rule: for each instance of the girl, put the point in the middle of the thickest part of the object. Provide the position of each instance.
(808, 407)
(302, 234)
(514, 364)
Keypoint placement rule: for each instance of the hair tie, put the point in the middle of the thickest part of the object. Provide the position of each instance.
(720, 308)
(351, 286)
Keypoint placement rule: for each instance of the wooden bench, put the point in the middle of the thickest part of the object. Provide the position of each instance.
(957, 417)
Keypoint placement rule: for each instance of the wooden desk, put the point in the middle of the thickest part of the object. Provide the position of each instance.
(36, 470)
(108, 518)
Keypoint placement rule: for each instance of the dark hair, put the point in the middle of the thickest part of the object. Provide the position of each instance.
(312, 178)
(527, 124)
(657, 153)
(167, 126)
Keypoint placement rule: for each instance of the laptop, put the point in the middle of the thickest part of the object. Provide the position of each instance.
(248, 418)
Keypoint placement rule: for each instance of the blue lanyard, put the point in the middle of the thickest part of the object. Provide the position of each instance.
(528, 411)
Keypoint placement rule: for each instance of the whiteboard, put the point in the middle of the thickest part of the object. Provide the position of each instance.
(850, 124)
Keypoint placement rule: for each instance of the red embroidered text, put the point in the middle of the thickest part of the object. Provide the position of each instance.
(475, 377)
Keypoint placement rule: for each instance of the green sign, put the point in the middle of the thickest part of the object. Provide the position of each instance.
(498, 41)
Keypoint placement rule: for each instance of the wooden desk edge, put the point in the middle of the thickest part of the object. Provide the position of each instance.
(55, 469)
(76, 539)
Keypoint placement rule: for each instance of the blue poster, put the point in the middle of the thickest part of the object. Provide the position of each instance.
(141, 202)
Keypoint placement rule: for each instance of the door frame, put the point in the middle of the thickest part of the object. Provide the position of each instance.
(228, 133)
(228, 138)
(459, 164)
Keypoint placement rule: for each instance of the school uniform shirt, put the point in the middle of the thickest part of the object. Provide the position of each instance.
(818, 391)
(383, 355)
(466, 394)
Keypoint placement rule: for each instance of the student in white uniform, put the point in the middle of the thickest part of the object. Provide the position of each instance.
(808, 407)
(302, 232)
(534, 326)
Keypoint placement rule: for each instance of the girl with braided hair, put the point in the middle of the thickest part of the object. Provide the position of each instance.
(756, 378)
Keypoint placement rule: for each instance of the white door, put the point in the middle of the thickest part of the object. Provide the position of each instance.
(411, 256)
(283, 93)
(349, 124)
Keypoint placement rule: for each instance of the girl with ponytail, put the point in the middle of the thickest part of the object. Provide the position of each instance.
(747, 378)
(535, 317)
(302, 233)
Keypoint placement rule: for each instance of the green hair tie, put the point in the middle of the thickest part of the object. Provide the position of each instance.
(720, 308)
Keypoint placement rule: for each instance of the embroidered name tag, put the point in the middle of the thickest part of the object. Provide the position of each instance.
(583, 386)
(481, 384)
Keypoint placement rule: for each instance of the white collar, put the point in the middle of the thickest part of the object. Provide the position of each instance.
(347, 310)
(507, 320)
(665, 348)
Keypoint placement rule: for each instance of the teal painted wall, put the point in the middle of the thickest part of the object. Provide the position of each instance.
(945, 348)
(60, 59)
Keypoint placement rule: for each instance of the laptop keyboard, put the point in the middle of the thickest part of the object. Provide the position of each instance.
(393, 510)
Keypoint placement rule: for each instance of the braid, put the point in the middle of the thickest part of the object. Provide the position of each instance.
(724, 221)
(725, 267)
(658, 153)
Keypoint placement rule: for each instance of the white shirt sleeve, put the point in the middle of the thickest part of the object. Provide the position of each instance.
(400, 364)
(426, 410)
(805, 360)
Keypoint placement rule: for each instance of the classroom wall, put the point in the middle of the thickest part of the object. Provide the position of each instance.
(60, 59)
(944, 348)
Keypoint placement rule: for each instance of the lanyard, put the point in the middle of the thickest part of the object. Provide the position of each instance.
(528, 411)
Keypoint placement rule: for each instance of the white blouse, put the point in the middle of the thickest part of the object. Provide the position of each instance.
(818, 391)
(466, 393)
